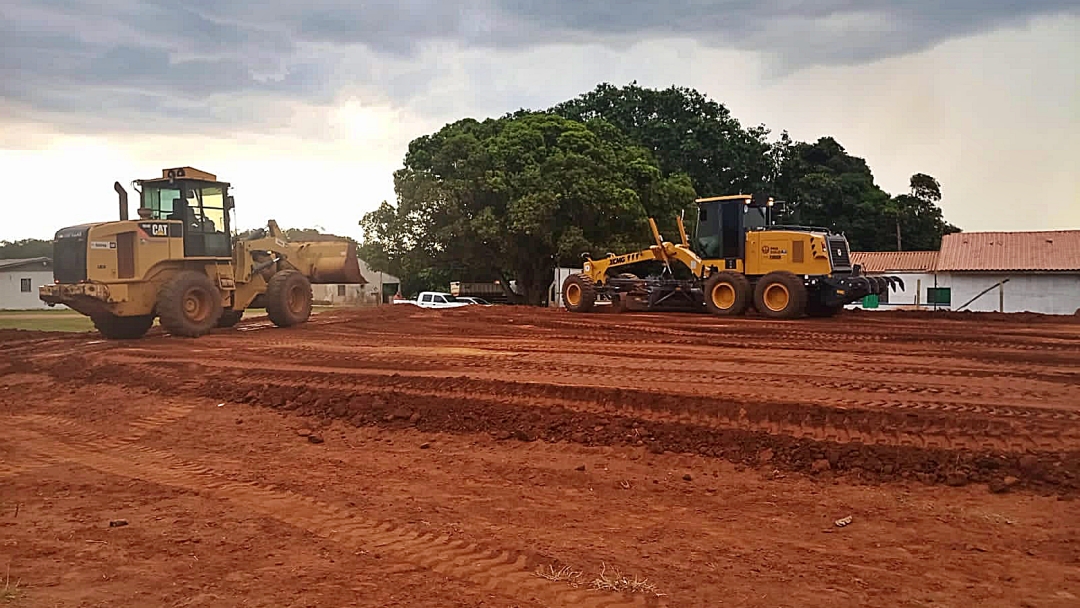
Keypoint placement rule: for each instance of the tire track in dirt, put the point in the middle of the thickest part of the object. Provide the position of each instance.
(835, 419)
(139, 428)
(507, 572)
(876, 448)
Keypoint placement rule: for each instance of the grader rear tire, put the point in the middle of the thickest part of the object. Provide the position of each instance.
(122, 328)
(780, 295)
(579, 293)
(189, 304)
(727, 294)
(288, 298)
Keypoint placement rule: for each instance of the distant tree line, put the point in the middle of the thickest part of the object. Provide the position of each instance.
(25, 248)
(509, 198)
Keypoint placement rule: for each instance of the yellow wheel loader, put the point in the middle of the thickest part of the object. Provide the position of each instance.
(739, 259)
(179, 262)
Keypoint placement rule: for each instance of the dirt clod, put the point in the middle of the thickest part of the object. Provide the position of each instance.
(820, 466)
(118, 523)
(315, 438)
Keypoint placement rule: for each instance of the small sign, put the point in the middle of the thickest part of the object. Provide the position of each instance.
(102, 245)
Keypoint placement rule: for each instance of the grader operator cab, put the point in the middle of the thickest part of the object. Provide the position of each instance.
(180, 262)
(738, 258)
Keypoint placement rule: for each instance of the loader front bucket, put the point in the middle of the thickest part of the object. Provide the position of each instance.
(330, 261)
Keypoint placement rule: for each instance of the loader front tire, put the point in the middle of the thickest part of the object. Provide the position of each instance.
(579, 293)
(189, 304)
(780, 295)
(288, 298)
(230, 318)
(727, 294)
(113, 327)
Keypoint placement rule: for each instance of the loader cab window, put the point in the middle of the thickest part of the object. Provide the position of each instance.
(201, 208)
(159, 201)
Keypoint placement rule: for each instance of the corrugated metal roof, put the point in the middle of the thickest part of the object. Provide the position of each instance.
(895, 261)
(8, 264)
(1045, 250)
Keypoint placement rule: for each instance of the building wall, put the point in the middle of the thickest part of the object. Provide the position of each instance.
(914, 283)
(11, 283)
(1047, 293)
(352, 294)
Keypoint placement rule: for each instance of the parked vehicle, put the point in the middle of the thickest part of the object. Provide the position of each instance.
(475, 300)
(435, 299)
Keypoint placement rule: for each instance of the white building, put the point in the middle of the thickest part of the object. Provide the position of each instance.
(379, 289)
(19, 282)
(915, 268)
(987, 272)
(1011, 271)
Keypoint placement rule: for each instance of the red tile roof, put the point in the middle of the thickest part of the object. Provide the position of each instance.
(895, 261)
(1049, 250)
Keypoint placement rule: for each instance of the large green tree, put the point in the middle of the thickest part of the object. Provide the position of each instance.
(823, 185)
(510, 198)
(686, 131)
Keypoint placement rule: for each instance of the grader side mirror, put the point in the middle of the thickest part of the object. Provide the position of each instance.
(229, 203)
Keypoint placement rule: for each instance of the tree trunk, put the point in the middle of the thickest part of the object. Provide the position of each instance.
(898, 247)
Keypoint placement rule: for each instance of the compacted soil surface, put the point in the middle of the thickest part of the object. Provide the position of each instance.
(513, 457)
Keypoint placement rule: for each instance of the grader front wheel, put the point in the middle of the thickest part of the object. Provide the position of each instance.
(579, 293)
(727, 293)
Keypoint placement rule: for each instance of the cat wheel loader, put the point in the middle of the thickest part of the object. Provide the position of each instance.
(180, 263)
(739, 259)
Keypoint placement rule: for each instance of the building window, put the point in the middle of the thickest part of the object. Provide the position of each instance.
(25, 285)
(341, 291)
(940, 296)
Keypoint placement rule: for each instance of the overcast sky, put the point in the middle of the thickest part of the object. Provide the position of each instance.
(308, 107)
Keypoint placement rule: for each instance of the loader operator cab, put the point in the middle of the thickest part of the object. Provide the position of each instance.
(199, 202)
(723, 221)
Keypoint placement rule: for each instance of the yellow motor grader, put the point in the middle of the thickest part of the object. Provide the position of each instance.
(739, 258)
(179, 262)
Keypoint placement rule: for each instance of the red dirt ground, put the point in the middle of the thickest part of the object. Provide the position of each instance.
(464, 450)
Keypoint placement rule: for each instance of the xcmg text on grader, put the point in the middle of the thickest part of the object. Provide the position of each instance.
(739, 259)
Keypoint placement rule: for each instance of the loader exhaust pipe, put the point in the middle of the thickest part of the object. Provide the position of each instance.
(123, 200)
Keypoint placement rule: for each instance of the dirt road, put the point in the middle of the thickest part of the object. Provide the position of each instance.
(401, 457)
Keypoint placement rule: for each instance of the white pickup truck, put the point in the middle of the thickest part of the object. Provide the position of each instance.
(435, 299)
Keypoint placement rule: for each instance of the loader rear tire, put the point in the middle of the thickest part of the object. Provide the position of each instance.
(288, 298)
(780, 295)
(230, 318)
(579, 293)
(122, 328)
(189, 304)
(727, 294)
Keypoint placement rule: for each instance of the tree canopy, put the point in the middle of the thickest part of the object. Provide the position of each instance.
(512, 197)
(25, 248)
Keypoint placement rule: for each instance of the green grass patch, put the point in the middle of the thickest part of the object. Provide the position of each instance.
(45, 320)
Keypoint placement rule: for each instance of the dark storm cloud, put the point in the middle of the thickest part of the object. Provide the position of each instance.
(107, 64)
